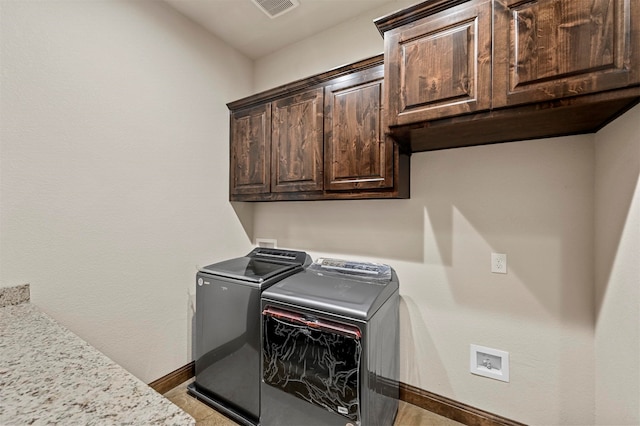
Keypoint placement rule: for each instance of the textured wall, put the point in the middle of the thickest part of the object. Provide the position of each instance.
(114, 169)
(532, 200)
(618, 271)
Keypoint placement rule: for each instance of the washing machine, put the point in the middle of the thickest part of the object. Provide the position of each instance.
(227, 331)
(330, 346)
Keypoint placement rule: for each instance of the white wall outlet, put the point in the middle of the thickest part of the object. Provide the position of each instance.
(266, 242)
(498, 263)
(487, 362)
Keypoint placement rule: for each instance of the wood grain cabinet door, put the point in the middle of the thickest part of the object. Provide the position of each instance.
(250, 151)
(357, 155)
(297, 137)
(440, 65)
(551, 49)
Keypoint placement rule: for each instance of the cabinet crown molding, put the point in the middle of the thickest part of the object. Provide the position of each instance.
(413, 13)
(305, 83)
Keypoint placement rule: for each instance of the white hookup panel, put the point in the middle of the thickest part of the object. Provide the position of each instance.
(488, 362)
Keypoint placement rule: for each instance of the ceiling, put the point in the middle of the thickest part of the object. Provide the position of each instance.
(241, 24)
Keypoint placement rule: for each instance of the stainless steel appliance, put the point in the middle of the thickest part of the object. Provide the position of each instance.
(227, 340)
(330, 346)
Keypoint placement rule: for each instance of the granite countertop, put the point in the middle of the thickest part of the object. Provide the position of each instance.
(49, 375)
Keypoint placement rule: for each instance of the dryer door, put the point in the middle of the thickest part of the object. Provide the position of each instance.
(313, 359)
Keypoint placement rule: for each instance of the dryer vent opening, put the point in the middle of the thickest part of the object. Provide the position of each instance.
(275, 8)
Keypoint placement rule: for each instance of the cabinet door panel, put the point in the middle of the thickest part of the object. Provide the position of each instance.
(297, 137)
(250, 150)
(440, 65)
(444, 54)
(548, 49)
(357, 153)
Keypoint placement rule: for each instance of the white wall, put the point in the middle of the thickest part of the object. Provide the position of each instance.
(114, 169)
(617, 338)
(533, 201)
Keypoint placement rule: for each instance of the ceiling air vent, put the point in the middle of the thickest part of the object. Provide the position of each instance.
(275, 8)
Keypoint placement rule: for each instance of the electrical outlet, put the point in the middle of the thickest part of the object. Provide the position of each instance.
(267, 242)
(498, 263)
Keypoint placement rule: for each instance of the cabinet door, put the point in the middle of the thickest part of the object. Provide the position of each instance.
(550, 49)
(250, 150)
(296, 137)
(440, 65)
(357, 154)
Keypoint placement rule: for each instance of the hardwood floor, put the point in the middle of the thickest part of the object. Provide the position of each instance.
(408, 414)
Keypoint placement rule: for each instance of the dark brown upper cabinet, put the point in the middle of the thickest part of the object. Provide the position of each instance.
(357, 154)
(550, 49)
(316, 139)
(440, 66)
(250, 151)
(296, 143)
(461, 73)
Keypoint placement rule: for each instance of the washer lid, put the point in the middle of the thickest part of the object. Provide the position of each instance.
(248, 269)
(260, 265)
(338, 294)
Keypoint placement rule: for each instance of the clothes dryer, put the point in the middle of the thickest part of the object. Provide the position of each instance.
(330, 346)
